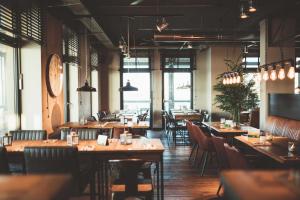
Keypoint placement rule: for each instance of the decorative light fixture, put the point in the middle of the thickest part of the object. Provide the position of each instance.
(162, 24)
(128, 87)
(189, 45)
(230, 78)
(251, 7)
(86, 87)
(297, 90)
(243, 14)
(281, 65)
(273, 75)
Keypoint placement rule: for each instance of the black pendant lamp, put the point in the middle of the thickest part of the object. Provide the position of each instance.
(86, 87)
(128, 87)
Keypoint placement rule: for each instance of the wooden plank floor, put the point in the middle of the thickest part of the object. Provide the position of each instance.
(182, 181)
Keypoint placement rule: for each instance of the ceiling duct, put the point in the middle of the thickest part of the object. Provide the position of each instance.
(90, 23)
(197, 38)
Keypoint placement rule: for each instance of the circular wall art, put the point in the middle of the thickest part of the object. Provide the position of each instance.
(54, 76)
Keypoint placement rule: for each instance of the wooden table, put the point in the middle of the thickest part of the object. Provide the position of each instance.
(35, 187)
(277, 149)
(256, 185)
(147, 150)
(107, 125)
(191, 116)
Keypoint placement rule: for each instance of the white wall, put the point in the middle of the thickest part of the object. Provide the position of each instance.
(74, 95)
(95, 96)
(114, 82)
(31, 117)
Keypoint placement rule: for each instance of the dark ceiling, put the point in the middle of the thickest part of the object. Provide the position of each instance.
(218, 20)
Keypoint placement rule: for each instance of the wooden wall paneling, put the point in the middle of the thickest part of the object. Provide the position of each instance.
(52, 107)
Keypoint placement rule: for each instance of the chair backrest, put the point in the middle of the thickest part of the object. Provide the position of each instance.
(4, 169)
(29, 135)
(91, 119)
(203, 140)
(220, 151)
(51, 160)
(235, 158)
(189, 126)
(83, 133)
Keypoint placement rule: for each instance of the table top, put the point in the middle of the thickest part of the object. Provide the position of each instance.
(243, 129)
(106, 125)
(138, 145)
(276, 149)
(46, 187)
(267, 185)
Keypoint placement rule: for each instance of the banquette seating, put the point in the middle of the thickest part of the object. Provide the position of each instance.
(283, 127)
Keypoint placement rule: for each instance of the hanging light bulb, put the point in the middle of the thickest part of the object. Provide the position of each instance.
(243, 14)
(273, 75)
(265, 74)
(230, 79)
(251, 6)
(297, 90)
(291, 72)
(238, 79)
(234, 80)
(281, 73)
(224, 81)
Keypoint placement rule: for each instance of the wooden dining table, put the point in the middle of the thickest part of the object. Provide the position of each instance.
(144, 149)
(277, 149)
(256, 185)
(188, 115)
(107, 125)
(35, 187)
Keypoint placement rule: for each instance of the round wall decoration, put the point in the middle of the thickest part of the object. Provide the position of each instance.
(54, 75)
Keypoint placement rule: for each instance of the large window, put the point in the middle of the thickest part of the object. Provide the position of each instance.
(137, 71)
(177, 79)
(8, 89)
(251, 64)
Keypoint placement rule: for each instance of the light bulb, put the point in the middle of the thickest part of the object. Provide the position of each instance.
(265, 75)
(291, 72)
(281, 73)
(227, 80)
(273, 75)
(251, 7)
(238, 79)
(297, 90)
(258, 77)
(224, 81)
(230, 80)
(234, 80)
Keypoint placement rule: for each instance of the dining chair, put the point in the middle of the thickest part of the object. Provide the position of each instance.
(29, 135)
(83, 133)
(4, 168)
(130, 182)
(117, 132)
(50, 160)
(193, 154)
(236, 159)
(205, 144)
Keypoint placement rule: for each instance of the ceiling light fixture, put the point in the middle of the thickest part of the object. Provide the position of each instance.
(162, 24)
(86, 87)
(243, 14)
(251, 7)
(230, 78)
(189, 45)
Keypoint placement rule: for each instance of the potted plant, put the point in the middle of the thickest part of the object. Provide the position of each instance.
(234, 98)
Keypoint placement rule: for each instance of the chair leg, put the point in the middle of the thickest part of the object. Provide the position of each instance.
(196, 155)
(193, 149)
(204, 163)
(219, 189)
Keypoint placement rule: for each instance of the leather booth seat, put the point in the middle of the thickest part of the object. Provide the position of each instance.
(283, 127)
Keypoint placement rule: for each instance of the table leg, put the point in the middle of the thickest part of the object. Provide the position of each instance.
(162, 177)
(157, 180)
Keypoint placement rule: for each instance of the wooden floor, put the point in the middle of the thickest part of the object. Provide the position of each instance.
(182, 181)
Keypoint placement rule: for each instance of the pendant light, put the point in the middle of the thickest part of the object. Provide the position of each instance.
(243, 14)
(86, 87)
(273, 75)
(251, 7)
(128, 87)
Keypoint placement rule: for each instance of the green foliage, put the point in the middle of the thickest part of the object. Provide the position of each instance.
(235, 98)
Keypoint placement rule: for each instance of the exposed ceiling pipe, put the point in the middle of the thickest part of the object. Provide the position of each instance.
(197, 38)
(91, 24)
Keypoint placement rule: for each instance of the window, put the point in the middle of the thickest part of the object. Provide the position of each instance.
(297, 77)
(137, 71)
(251, 65)
(251, 62)
(8, 89)
(177, 79)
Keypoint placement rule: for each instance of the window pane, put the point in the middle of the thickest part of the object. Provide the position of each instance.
(181, 63)
(140, 63)
(252, 62)
(137, 100)
(8, 89)
(177, 90)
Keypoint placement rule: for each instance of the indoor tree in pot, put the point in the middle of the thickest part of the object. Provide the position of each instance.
(234, 98)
